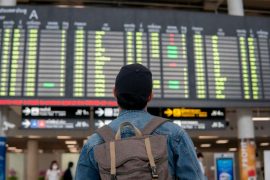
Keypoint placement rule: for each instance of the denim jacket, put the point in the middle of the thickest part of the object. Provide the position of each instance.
(182, 159)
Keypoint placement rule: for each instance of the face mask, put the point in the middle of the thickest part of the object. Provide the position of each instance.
(55, 167)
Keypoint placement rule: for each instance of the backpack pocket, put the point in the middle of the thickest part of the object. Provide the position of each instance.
(132, 161)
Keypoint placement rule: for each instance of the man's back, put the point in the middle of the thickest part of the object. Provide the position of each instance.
(183, 163)
(67, 175)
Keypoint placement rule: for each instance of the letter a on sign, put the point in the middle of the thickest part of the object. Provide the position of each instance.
(33, 15)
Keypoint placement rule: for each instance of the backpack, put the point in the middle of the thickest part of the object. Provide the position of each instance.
(143, 156)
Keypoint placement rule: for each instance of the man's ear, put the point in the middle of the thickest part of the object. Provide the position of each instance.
(150, 97)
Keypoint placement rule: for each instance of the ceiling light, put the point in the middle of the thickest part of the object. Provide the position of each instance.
(71, 142)
(264, 144)
(222, 141)
(232, 149)
(261, 118)
(79, 6)
(73, 151)
(205, 145)
(18, 150)
(19, 137)
(12, 148)
(71, 146)
(63, 137)
(62, 6)
(34, 137)
(208, 137)
(41, 151)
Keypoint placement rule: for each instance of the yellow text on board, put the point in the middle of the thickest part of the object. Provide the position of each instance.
(185, 113)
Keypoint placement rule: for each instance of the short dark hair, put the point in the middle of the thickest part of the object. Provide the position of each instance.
(70, 164)
(131, 102)
(200, 155)
(133, 86)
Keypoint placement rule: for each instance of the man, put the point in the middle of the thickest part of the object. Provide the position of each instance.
(133, 90)
(68, 174)
(200, 159)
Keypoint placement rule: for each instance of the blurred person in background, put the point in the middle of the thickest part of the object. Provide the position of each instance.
(68, 174)
(200, 159)
(53, 173)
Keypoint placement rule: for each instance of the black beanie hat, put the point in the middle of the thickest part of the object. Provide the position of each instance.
(133, 85)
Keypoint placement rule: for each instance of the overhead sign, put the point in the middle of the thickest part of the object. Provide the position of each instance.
(200, 125)
(196, 118)
(101, 122)
(113, 112)
(45, 117)
(105, 112)
(187, 118)
(105, 115)
(194, 113)
(54, 111)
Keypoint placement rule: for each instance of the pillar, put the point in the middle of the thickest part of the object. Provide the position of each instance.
(235, 7)
(245, 124)
(246, 135)
(8, 2)
(32, 160)
(3, 118)
(247, 149)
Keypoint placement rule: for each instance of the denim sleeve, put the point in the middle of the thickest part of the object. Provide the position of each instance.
(86, 167)
(186, 164)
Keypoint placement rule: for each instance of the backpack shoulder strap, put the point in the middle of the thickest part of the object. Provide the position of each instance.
(106, 133)
(153, 125)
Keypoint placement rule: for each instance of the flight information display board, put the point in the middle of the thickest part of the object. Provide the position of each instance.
(71, 56)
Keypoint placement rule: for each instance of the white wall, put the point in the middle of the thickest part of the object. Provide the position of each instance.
(16, 161)
(267, 165)
(66, 158)
(45, 159)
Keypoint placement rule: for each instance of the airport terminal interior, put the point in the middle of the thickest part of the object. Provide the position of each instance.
(210, 61)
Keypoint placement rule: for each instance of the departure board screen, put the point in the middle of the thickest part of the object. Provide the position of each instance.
(70, 56)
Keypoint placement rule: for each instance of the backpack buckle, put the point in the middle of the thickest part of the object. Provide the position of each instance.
(154, 172)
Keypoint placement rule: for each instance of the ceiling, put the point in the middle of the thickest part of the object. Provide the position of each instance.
(252, 7)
